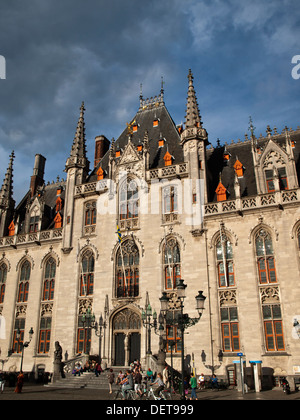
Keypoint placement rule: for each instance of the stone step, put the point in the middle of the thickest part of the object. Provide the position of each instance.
(86, 380)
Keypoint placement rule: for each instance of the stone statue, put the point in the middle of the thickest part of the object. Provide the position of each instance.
(57, 352)
(57, 363)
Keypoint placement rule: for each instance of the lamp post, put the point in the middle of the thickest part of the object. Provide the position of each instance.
(23, 345)
(87, 320)
(147, 318)
(184, 321)
(99, 331)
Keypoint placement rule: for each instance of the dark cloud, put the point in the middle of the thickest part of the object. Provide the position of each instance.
(59, 53)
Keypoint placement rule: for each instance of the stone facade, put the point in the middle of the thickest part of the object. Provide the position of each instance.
(173, 224)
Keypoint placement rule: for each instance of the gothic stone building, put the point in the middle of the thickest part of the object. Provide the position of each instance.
(226, 219)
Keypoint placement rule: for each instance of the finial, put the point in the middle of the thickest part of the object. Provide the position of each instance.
(251, 127)
(162, 85)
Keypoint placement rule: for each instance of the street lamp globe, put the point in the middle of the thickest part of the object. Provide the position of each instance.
(200, 299)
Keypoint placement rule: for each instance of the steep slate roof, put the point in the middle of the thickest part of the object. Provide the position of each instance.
(48, 195)
(166, 129)
(242, 150)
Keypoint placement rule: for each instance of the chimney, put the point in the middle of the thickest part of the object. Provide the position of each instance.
(37, 179)
(101, 147)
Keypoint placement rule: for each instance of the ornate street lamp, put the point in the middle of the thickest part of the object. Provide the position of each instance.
(23, 345)
(87, 320)
(99, 331)
(147, 318)
(183, 321)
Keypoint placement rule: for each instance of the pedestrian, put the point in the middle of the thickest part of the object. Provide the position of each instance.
(149, 374)
(127, 383)
(166, 377)
(20, 382)
(160, 383)
(138, 382)
(186, 387)
(120, 377)
(214, 382)
(193, 382)
(98, 369)
(201, 381)
(2, 381)
(111, 379)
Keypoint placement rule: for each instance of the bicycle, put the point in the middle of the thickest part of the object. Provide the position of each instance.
(130, 394)
(164, 394)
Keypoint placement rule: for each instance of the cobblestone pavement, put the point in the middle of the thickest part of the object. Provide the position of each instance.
(39, 392)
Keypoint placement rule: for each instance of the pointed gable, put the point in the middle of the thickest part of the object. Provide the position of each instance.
(130, 153)
(11, 229)
(221, 192)
(168, 159)
(239, 169)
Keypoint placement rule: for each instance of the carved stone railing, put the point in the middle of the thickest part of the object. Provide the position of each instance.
(168, 171)
(279, 198)
(35, 237)
(69, 365)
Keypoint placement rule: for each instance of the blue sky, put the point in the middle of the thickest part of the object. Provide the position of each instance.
(60, 53)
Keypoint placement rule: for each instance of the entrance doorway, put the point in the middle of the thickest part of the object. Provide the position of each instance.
(119, 349)
(135, 347)
(127, 337)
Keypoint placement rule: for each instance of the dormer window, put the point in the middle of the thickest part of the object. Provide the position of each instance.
(34, 220)
(155, 122)
(139, 147)
(221, 192)
(58, 204)
(118, 153)
(58, 221)
(282, 178)
(168, 159)
(11, 229)
(161, 142)
(134, 128)
(100, 174)
(239, 169)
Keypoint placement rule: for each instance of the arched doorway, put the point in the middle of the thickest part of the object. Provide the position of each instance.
(126, 337)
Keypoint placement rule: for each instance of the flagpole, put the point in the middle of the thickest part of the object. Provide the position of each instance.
(120, 242)
(223, 252)
(171, 274)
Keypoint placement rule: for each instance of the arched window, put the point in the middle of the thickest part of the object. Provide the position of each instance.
(127, 270)
(298, 239)
(3, 275)
(170, 199)
(49, 280)
(265, 258)
(225, 262)
(24, 282)
(87, 274)
(172, 264)
(129, 200)
(44, 335)
(90, 213)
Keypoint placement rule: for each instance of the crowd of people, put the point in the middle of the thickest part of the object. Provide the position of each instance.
(135, 379)
(89, 366)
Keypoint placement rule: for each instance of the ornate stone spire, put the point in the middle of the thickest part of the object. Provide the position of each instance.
(78, 151)
(193, 125)
(192, 117)
(6, 191)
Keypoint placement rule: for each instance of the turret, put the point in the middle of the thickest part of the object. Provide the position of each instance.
(7, 202)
